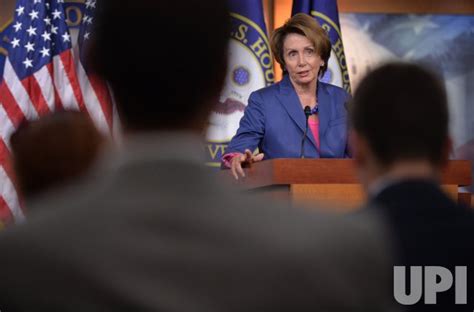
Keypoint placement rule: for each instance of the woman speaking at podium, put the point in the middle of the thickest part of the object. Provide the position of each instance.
(298, 116)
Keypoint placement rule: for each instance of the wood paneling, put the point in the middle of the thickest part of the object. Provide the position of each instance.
(329, 171)
(328, 180)
(336, 197)
(347, 197)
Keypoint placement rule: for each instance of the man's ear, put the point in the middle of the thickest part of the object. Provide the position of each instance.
(360, 148)
(363, 158)
(446, 151)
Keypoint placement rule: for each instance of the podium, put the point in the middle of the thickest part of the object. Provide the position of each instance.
(332, 181)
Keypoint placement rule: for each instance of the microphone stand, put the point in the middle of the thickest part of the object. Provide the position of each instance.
(307, 112)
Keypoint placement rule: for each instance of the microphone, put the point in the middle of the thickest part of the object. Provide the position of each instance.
(307, 112)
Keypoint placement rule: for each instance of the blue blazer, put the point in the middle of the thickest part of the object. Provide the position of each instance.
(274, 121)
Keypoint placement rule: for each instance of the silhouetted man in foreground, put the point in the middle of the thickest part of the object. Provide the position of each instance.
(153, 230)
(400, 123)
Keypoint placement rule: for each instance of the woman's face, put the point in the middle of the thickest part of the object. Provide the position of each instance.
(302, 61)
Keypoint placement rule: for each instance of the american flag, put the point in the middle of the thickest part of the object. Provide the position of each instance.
(95, 91)
(41, 76)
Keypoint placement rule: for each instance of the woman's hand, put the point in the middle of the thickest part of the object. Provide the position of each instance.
(240, 159)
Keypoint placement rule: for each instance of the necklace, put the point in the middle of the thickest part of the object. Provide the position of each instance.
(315, 109)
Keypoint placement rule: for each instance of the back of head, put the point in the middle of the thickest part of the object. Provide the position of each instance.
(53, 150)
(401, 110)
(164, 60)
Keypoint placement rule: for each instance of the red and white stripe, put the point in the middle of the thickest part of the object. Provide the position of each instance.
(55, 86)
(16, 99)
(65, 82)
(10, 209)
(97, 100)
(97, 97)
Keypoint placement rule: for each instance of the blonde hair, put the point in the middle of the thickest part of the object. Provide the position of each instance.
(305, 25)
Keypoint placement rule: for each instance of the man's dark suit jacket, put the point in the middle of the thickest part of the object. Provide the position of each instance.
(430, 229)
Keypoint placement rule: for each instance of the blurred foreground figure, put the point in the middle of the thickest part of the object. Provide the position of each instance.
(401, 146)
(54, 151)
(154, 231)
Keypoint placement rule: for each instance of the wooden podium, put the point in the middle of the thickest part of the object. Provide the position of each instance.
(331, 181)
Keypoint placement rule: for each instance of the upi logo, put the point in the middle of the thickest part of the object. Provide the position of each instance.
(437, 279)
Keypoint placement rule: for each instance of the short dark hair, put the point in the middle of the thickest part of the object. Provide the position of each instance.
(164, 60)
(401, 109)
(55, 149)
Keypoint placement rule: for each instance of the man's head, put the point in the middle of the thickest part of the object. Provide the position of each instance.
(54, 150)
(399, 115)
(164, 60)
